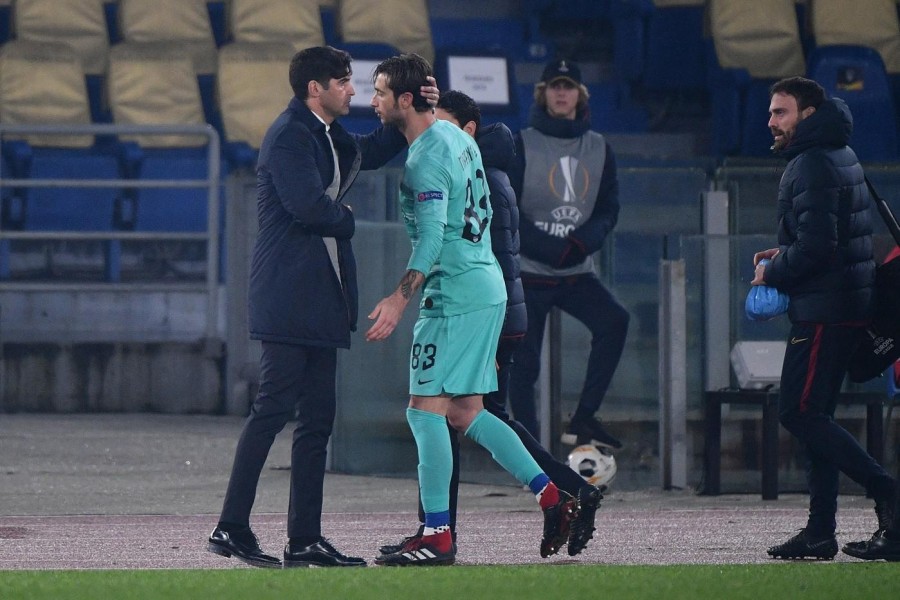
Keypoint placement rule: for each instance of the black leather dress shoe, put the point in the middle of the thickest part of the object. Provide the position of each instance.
(242, 546)
(320, 554)
(877, 548)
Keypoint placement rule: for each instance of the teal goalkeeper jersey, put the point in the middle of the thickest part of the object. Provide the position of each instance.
(445, 207)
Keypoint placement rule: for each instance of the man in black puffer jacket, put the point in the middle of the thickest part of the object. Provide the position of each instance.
(824, 264)
(495, 141)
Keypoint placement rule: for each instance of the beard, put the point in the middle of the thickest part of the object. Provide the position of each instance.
(780, 144)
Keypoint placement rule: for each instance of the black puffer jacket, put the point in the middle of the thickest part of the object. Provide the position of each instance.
(824, 223)
(497, 152)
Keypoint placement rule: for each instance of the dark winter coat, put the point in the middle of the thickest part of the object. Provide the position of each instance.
(295, 296)
(825, 263)
(497, 153)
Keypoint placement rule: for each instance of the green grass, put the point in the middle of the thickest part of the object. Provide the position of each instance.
(820, 581)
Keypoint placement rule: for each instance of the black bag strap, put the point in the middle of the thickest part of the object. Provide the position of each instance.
(885, 211)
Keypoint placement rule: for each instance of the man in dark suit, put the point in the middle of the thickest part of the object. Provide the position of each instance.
(303, 301)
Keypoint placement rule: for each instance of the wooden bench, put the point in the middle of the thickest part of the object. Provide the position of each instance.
(768, 399)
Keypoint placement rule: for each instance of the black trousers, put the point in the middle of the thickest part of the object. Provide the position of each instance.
(293, 379)
(814, 367)
(585, 298)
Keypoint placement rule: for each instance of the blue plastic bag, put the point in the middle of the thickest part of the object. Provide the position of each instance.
(764, 302)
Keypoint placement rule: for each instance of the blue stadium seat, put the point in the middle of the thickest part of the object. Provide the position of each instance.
(5, 21)
(612, 110)
(756, 139)
(857, 75)
(629, 19)
(218, 20)
(61, 209)
(168, 209)
(505, 36)
(56, 209)
(678, 27)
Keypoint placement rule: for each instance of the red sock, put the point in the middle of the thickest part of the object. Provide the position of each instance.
(549, 496)
(442, 541)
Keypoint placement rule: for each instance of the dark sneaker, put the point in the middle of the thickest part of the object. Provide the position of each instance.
(589, 431)
(418, 551)
(803, 545)
(394, 548)
(557, 522)
(879, 547)
(582, 528)
(860, 546)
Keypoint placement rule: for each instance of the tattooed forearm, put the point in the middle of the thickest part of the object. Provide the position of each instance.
(411, 282)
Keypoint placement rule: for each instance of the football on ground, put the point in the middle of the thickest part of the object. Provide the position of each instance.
(596, 465)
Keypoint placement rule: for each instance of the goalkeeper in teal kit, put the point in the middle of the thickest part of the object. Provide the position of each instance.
(445, 207)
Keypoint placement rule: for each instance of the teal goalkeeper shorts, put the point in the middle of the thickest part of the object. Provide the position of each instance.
(455, 355)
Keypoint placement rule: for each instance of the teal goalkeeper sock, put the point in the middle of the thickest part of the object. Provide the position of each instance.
(504, 445)
(435, 459)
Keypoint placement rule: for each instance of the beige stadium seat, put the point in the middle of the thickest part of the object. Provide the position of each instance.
(298, 22)
(184, 23)
(154, 83)
(403, 24)
(761, 36)
(871, 23)
(253, 88)
(43, 83)
(78, 23)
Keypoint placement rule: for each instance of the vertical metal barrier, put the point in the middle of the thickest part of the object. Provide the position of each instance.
(672, 375)
(549, 384)
(716, 290)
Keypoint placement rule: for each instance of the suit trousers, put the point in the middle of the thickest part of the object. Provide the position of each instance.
(294, 380)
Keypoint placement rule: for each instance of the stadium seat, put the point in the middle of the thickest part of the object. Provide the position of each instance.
(299, 23)
(179, 22)
(402, 24)
(155, 84)
(857, 75)
(182, 24)
(675, 24)
(80, 24)
(629, 18)
(753, 45)
(253, 89)
(43, 83)
(477, 56)
(872, 23)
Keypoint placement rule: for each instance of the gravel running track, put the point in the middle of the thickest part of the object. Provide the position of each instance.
(143, 492)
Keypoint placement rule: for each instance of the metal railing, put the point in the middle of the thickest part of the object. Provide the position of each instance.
(211, 237)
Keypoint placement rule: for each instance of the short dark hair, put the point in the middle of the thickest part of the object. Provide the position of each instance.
(806, 91)
(319, 63)
(406, 73)
(461, 106)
